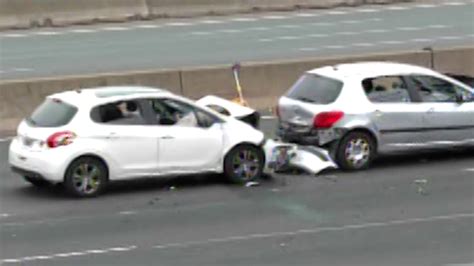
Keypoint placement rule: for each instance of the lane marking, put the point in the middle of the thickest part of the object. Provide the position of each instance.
(83, 31)
(367, 10)
(243, 19)
(209, 21)
(179, 24)
(337, 12)
(306, 15)
(147, 26)
(70, 254)
(22, 69)
(268, 117)
(5, 215)
(389, 42)
(46, 33)
(230, 31)
(453, 4)
(274, 17)
(316, 230)
(396, 8)
(425, 6)
(127, 212)
(469, 170)
(289, 26)
(14, 35)
(372, 31)
(114, 28)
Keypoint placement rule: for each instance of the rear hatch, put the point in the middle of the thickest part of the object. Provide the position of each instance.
(311, 95)
(48, 119)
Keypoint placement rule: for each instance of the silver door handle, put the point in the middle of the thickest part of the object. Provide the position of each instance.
(431, 110)
(378, 113)
(112, 135)
(167, 137)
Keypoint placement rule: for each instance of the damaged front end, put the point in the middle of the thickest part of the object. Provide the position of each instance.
(282, 156)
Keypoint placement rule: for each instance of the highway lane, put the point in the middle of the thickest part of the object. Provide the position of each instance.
(224, 40)
(375, 217)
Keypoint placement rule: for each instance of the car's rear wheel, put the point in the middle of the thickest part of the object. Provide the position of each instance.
(86, 177)
(36, 182)
(244, 163)
(356, 151)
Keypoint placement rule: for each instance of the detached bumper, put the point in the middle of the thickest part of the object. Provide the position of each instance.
(308, 136)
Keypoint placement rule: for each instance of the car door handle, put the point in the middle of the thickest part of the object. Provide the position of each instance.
(431, 110)
(378, 113)
(167, 137)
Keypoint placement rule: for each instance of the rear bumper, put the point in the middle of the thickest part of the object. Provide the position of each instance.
(313, 137)
(36, 164)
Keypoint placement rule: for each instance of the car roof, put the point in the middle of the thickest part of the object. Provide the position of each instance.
(98, 95)
(370, 69)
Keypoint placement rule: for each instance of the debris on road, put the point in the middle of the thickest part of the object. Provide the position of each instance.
(421, 186)
(252, 184)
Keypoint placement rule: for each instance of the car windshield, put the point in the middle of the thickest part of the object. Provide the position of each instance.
(315, 89)
(52, 113)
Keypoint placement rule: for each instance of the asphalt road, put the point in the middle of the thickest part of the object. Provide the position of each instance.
(406, 210)
(224, 40)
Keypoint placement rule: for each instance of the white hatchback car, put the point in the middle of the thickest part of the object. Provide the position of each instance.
(87, 137)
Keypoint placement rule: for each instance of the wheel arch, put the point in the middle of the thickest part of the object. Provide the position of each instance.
(89, 155)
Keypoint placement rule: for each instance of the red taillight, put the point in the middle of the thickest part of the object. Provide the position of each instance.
(60, 139)
(327, 119)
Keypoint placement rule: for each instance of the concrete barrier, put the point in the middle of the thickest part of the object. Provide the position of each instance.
(263, 83)
(35, 13)
(186, 8)
(38, 13)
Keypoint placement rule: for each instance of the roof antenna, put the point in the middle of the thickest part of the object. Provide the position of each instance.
(431, 51)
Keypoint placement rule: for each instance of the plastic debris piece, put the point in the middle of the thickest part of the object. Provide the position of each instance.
(252, 184)
(172, 188)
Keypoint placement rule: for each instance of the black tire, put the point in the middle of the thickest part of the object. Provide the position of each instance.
(86, 177)
(37, 182)
(365, 151)
(254, 160)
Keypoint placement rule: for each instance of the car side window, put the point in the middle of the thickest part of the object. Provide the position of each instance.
(386, 89)
(174, 113)
(119, 113)
(433, 89)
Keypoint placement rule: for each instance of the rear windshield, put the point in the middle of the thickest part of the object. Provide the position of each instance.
(315, 89)
(52, 113)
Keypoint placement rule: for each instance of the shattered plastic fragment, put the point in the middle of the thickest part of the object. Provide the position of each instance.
(252, 184)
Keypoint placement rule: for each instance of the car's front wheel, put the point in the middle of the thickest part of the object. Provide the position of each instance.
(356, 151)
(86, 177)
(244, 163)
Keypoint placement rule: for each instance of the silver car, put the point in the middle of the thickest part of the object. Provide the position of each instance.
(360, 110)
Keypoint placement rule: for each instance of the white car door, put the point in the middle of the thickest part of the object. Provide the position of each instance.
(450, 115)
(128, 140)
(190, 139)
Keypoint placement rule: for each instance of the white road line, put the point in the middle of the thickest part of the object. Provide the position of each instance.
(460, 264)
(4, 215)
(267, 117)
(307, 15)
(316, 230)
(289, 26)
(211, 22)
(391, 42)
(201, 33)
(408, 28)
(376, 31)
(83, 31)
(114, 28)
(178, 24)
(469, 170)
(367, 10)
(127, 212)
(70, 254)
(421, 40)
(45, 33)
(22, 69)
(397, 8)
(258, 29)
(147, 26)
(308, 49)
(229, 31)
(347, 33)
(453, 4)
(243, 19)
(317, 35)
(275, 17)
(451, 37)
(425, 6)
(363, 44)
(334, 47)
(289, 37)
(336, 12)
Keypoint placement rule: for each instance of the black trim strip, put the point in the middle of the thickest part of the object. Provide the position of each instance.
(415, 130)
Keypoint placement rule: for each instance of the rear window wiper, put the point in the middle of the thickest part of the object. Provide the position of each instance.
(31, 121)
